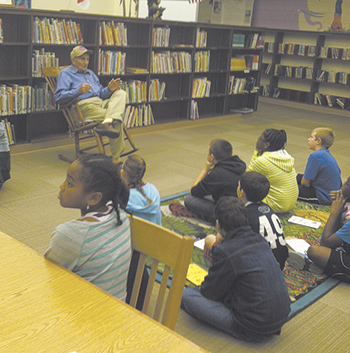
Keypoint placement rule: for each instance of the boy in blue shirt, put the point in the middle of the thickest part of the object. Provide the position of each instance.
(322, 173)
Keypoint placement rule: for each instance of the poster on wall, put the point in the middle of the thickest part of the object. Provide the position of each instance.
(23, 4)
(307, 15)
(6, 2)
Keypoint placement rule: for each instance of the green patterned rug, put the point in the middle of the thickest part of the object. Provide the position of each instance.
(306, 284)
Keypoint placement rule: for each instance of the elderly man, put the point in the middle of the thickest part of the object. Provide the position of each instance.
(97, 103)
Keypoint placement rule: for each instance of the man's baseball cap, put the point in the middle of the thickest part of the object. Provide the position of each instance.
(78, 51)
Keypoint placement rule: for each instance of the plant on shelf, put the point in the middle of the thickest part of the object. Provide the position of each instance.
(154, 9)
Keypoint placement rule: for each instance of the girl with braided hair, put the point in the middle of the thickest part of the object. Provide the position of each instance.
(96, 246)
(144, 199)
(272, 160)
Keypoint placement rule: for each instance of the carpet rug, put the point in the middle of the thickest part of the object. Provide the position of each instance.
(306, 282)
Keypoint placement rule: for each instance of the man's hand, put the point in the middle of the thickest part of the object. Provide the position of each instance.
(115, 84)
(84, 88)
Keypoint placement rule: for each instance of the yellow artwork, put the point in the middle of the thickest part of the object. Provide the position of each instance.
(196, 274)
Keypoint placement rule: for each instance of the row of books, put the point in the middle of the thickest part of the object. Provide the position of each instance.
(201, 38)
(332, 77)
(9, 131)
(112, 33)
(111, 62)
(296, 49)
(194, 113)
(16, 99)
(252, 41)
(331, 101)
(137, 116)
(161, 36)
(136, 91)
(291, 71)
(202, 61)
(334, 53)
(251, 62)
(236, 85)
(201, 87)
(170, 62)
(56, 31)
(156, 90)
(42, 59)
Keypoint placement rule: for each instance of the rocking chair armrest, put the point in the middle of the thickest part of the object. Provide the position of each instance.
(86, 127)
(73, 101)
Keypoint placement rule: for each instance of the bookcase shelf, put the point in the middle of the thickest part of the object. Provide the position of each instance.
(307, 67)
(139, 41)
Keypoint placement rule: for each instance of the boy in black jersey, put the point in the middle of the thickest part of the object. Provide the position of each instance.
(252, 189)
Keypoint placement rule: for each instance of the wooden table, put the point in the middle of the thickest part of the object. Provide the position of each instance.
(45, 308)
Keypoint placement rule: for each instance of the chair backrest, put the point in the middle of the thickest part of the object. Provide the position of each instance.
(170, 249)
(51, 74)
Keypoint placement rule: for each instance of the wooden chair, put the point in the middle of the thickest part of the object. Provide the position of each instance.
(169, 248)
(81, 129)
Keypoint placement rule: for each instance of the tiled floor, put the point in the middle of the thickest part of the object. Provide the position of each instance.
(175, 155)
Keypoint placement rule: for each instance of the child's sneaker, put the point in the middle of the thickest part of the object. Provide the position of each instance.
(178, 210)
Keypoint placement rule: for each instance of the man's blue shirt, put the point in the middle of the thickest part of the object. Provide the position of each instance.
(69, 81)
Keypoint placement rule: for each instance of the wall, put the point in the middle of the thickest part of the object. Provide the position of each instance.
(103, 7)
(308, 15)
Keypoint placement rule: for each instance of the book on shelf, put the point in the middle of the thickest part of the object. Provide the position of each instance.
(41, 59)
(311, 50)
(236, 85)
(321, 75)
(170, 62)
(138, 115)
(111, 62)
(7, 134)
(342, 77)
(201, 87)
(202, 61)
(276, 92)
(329, 100)
(238, 40)
(201, 38)
(254, 41)
(16, 99)
(340, 102)
(161, 36)
(1, 32)
(268, 68)
(135, 70)
(156, 91)
(136, 91)
(194, 113)
(251, 62)
(265, 90)
(323, 52)
(346, 54)
(112, 33)
(56, 31)
(238, 64)
(269, 47)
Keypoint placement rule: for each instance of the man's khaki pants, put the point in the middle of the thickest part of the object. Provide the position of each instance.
(107, 111)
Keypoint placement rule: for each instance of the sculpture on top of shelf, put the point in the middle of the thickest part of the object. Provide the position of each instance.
(154, 9)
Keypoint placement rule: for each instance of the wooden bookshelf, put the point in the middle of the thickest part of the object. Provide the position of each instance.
(307, 67)
(188, 52)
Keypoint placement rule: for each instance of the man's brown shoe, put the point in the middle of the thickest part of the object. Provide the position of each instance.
(107, 130)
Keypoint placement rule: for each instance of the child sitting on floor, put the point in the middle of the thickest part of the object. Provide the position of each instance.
(144, 199)
(144, 202)
(97, 245)
(244, 293)
(218, 178)
(333, 256)
(322, 173)
(252, 189)
(272, 160)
